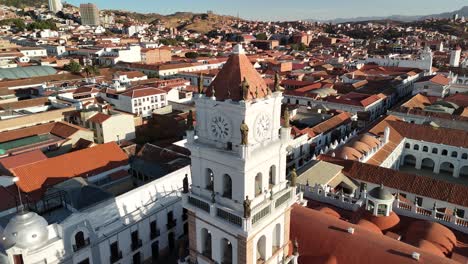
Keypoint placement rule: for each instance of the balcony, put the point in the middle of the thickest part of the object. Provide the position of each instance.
(114, 258)
(154, 234)
(171, 224)
(77, 247)
(136, 244)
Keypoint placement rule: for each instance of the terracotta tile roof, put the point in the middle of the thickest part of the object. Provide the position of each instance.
(335, 121)
(445, 136)
(327, 238)
(25, 132)
(417, 101)
(227, 83)
(36, 177)
(437, 79)
(405, 182)
(15, 161)
(99, 118)
(24, 103)
(142, 92)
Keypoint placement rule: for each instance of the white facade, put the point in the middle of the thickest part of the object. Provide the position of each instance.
(34, 52)
(424, 62)
(225, 173)
(111, 56)
(115, 220)
(143, 106)
(117, 127)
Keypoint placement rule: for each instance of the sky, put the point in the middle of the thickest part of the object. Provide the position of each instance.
(285, 9)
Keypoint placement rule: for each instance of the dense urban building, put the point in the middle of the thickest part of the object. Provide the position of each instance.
(189, 138)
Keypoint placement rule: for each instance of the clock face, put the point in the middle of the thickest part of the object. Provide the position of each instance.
(220, 128)
(262, 126)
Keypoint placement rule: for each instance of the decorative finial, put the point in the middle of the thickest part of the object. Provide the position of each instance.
(293, 178)
(213, 91)
(190, 120)
(247, 209)
(245, 89)
(200, 83)
(277, 83)
(244, 133)
(185, 184)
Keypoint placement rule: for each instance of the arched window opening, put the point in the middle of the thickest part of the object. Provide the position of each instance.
(272, 176)
(276, 245)
(425, 149)
(80, 241)
(444, 152)
(416, 147)
(407, 145)
(258, 184)
(435, 151)
(382, 209)
(261, 249)
(454, 154)
(464, 156)
(226, 251)
(227, 190)
(209, 180)
(206, 243)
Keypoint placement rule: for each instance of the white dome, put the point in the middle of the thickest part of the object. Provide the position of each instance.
(25, 230)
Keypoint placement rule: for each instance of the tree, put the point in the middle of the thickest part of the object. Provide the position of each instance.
(73, 67)
(192, 55)
(91, 70)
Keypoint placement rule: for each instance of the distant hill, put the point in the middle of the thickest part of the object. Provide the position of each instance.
(461, 12)
(201, 23)
(23, 3)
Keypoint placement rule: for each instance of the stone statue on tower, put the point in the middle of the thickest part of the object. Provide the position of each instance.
(244, 133)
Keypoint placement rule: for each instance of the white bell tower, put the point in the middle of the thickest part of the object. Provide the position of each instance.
(239, 202)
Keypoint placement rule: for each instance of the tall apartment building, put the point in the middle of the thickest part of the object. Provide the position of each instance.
(89, 14)
(55, 5)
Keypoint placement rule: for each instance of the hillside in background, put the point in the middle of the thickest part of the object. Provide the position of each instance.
(201, 23)
(461, 12)
(23, 3)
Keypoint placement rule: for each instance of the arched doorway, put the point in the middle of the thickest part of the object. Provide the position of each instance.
(261, 249)
(447, 167)
(409, 160)
(427, 164)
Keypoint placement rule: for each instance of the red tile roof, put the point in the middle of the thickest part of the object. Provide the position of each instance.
(99, 118)
(83, 163)
(227, 83)
(327, 237)
(15, 161)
